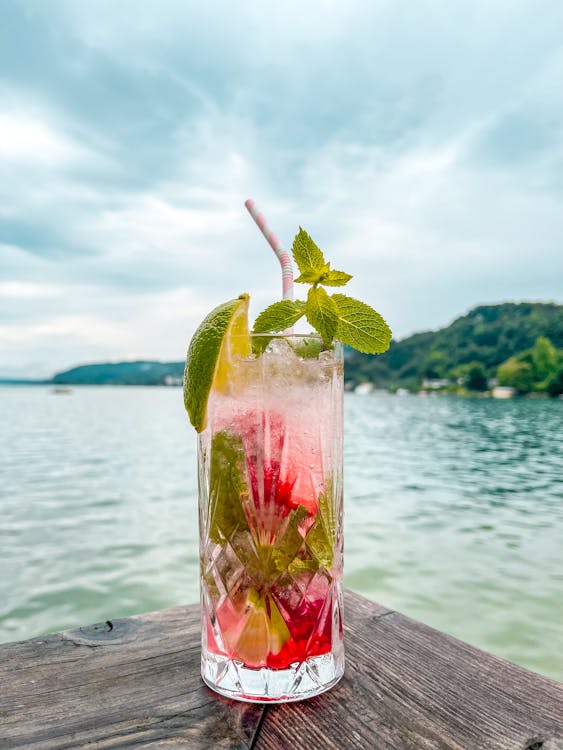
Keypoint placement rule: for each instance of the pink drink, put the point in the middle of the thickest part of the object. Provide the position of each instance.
(270, 475)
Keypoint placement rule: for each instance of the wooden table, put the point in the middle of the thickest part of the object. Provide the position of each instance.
(135, 683)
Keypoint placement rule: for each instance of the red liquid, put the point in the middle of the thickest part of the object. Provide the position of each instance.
(273, 615)
(310, 627)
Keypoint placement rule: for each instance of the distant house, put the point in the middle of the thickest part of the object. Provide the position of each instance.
(503, 391)
(435, 383)
(172, 380)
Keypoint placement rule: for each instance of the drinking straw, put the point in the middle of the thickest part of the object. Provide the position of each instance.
(275, 244)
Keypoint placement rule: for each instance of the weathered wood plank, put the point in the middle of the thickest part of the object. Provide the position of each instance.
(135, 683)
(132, 683)
(408, 686)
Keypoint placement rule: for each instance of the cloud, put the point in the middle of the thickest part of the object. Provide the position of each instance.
(423, 154)
(24, 139)
(25, 290)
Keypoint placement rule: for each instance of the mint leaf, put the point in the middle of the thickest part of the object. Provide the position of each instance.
(323, 276)
(313, 275)
(335, 278)
(307, 348)
(306, 254)
(279, 316)
(288, 540)
(305, 564)
(260, 344)
(309, 276)
(321, 537)
(322, 312)
(360, 326)
(275, 318)
(226, 487)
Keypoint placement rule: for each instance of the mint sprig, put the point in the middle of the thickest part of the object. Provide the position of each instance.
(334, 316)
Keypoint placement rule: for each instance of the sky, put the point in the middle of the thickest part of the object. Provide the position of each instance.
(420, 144)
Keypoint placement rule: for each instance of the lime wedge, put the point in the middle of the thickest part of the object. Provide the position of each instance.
(220, 337)
(264, 632)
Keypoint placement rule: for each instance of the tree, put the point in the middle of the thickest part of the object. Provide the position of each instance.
(555, 385)
(476, 378)
(516, 374)
(545, 358)
(472, 375)
(433, 366)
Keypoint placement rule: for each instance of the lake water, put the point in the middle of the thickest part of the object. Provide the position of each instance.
(454, 512)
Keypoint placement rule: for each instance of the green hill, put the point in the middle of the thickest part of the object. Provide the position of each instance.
(121, 373)
(488, 335)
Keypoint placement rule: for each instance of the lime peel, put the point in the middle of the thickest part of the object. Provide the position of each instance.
(222, 335)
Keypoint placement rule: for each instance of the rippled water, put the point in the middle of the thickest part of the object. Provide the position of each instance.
(454, 512)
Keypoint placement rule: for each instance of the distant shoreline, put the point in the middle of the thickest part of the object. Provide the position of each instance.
(504, 349)
(359, 393)
(19, 381)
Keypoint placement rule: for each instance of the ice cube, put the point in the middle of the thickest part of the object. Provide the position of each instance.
(326, 357)
(279, 347)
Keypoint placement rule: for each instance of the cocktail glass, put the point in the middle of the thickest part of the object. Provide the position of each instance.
(270, 513)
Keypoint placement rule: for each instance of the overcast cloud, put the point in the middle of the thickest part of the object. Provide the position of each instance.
(421, 144)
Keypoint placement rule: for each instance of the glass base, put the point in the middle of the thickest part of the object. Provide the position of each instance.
(301, 680)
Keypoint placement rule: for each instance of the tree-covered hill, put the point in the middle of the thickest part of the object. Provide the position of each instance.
(121, 373)
(488, 335)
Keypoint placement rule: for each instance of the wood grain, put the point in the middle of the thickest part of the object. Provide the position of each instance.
(408, 686)
(135, 683)
(130, 683)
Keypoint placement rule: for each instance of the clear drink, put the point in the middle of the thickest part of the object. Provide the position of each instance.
(270, 510)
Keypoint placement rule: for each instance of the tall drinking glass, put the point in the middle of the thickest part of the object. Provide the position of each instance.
(270, 515)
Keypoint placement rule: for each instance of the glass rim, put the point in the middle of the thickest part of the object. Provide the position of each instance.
(294, 340)
(314, 336)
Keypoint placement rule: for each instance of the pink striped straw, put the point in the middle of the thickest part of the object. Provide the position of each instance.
(275, 244)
